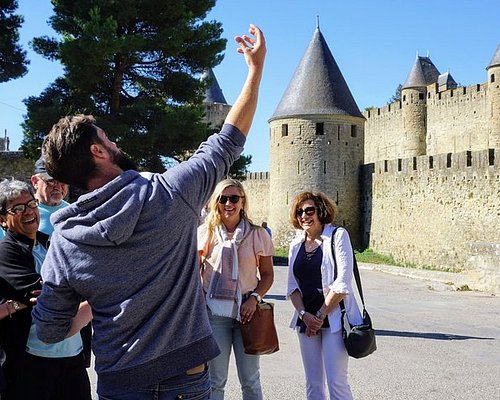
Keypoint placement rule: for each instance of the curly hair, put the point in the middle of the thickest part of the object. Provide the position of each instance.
(326, 207)
(11, 189)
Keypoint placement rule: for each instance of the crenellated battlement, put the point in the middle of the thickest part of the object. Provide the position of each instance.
(466, 161)
(263, 176)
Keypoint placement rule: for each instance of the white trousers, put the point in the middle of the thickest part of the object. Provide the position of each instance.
(325, 362)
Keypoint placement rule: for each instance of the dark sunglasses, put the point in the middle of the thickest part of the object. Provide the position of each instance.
(21, 208)
(233, 199)
(308, 210)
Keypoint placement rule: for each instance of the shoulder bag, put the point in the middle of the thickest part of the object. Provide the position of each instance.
(359, 340)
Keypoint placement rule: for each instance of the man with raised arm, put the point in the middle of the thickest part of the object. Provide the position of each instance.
(129, 248)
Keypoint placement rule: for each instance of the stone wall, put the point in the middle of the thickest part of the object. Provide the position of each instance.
(14, 164)
(256, 188)
(458, 119)
(440, 211)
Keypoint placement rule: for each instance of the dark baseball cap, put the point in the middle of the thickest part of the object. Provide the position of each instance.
(40, 167)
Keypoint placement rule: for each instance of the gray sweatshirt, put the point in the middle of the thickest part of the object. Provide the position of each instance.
(129, 248)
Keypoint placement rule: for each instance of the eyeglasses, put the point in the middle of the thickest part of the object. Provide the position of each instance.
(50, 181)
(233, 199)
(308, 210)
(21, 208)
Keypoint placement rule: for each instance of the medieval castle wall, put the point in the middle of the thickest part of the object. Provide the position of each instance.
(440, 211)
(14, 164)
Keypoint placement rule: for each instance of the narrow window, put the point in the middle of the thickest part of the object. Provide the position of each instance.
(298, 167)
(284, 130)
(345, 168)
(448, 160)
(338, 132)
(414, 163)
(491, 156)
(451, 93)
(368, 113)
(354, 132)
(431, 162)
(492, 78)
(320, 128)
(378, 111)
(400, 165)
(324, 167)
(337, 198)
(385, 165)
(439, 95)
(469, 158)
(404, 97)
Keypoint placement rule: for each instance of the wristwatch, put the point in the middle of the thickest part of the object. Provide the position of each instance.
(302, 313)
(257, 296)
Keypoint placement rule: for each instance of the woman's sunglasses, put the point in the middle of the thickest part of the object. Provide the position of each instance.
(233, 199)
(308, 210)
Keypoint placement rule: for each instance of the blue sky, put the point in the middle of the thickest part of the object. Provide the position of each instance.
(373, 41)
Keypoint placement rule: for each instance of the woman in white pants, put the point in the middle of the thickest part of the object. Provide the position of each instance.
(316, 291)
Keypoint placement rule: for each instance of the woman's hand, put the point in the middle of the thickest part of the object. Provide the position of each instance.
(313, 324)
(247, 309)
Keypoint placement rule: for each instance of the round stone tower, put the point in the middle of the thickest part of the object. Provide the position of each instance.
(317, 138)
(493, 70)
(216, 107)
(414, 109)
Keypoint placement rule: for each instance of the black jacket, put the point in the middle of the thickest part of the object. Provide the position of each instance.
(17, 279)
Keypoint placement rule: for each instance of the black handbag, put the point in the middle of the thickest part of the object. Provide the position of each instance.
(359, 339)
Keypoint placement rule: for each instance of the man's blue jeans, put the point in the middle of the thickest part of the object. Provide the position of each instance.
(181, 387)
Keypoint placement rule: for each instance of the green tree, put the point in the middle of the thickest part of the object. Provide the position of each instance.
(13, 62)
(397, 95)
(134, 65)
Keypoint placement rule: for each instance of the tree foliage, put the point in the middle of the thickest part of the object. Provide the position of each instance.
(397, 95)
(134, 65)
(13, 62)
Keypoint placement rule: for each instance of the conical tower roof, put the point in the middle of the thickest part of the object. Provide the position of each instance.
(495, 61)
(214, 92)
(447, 79)
(423, 73)
(317, 86)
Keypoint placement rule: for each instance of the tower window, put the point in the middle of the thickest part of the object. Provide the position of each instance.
(414, 163)
(284, 130)
(324, 167)
(491, 156)
(354, 133)
(421, 96)
(345, 168)
(492, 78)
(404, 97)
(448, 160)
(320, 128)
(469, 158)
(431, 162)
(400, 166)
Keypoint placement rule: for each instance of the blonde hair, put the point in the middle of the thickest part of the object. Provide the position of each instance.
(214, 218)
(325, 206)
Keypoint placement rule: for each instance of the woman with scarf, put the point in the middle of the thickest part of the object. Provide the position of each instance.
(237, 271)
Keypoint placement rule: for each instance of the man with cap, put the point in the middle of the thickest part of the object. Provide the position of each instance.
(50, 194)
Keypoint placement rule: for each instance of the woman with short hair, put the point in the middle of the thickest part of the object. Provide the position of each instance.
(316, 291)
(34, 370)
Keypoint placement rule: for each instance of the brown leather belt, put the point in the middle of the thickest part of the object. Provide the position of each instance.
(196, 370)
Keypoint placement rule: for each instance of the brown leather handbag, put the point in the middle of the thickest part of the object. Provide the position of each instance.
(259, 335)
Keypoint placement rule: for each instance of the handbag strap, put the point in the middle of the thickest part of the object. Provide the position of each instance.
(357, 277)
